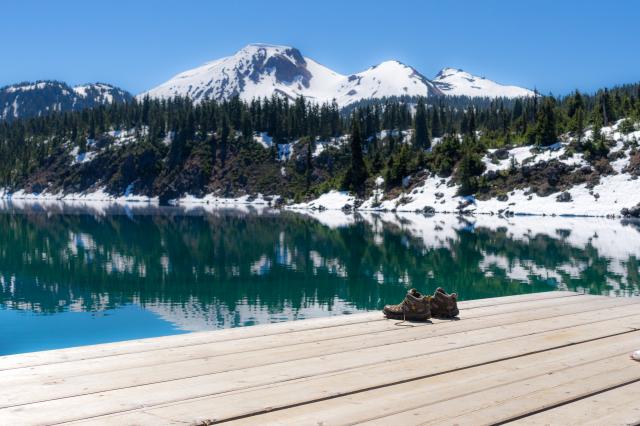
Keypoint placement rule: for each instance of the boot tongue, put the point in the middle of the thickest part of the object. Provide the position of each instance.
(414, 292)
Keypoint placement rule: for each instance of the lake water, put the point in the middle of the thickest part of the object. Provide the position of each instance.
(73, 275)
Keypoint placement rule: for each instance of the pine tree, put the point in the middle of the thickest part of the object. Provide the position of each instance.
(357, 172)
(596, 134)
(578, 126)
(517, 111)
(607, 108)
(223, 137)
(436, 123)
(469, 168)
(309, 163)
(247, 127)
(578, 103)
(546, 129)
(420, 131)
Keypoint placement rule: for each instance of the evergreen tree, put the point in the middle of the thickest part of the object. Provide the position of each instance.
(469, 168)
(420, 131)
(575, 103)
(546, 130)
(223, 137)
(309, 164)
(247, 127)
(517, 110)
(607, 108)
(578, 124)
(357, 172)
(436, 123)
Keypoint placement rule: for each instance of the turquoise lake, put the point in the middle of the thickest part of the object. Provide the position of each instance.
(75, 275)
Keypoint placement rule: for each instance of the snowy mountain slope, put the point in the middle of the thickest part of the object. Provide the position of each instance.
(101, 93)
(260, 70)
(390, 78)
(255, 71)
(25, 100)
(456, 82)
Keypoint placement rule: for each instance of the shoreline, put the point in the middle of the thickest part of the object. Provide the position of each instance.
(333, 201)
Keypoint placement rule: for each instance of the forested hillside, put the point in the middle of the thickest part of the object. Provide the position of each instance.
(298, 150)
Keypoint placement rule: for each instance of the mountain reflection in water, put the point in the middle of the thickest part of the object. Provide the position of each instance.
(204, 268)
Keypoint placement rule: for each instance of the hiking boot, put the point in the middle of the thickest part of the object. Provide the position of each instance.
(444, 305)
(415, 306)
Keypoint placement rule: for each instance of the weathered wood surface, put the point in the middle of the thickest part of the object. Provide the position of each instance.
(545, 358)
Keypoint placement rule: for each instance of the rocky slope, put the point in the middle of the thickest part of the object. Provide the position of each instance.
(524, 180)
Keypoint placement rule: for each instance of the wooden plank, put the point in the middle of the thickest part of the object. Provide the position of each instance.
(383, 402)
(161, 357)
(620, 406)
(342, 373)
(516, 399)
(517, 298)
(142, 345)
(18, 390)
(266, 399)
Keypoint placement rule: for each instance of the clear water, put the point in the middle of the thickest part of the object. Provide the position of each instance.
(73, 275)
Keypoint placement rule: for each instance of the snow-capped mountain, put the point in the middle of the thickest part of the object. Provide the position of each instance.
(390, 78)
(260, 70)
(456, 82)
(255, 71)
(25, 100)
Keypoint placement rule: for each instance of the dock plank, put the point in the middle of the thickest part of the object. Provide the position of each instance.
(528, 358)
(350, 372)
(426, 397)
(518, 399)
(347, 352)
(619, 406)
(231, 405)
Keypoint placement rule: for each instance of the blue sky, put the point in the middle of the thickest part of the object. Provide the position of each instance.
(555, 46)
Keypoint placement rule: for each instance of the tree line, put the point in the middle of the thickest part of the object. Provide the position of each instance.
(393, 138)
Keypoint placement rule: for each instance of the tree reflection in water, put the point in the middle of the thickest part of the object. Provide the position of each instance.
(206, 268)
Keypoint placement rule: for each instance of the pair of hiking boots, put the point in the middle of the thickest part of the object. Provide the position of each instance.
(418, 307)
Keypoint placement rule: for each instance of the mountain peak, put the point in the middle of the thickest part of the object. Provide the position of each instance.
(262, 70)
(391, 63)
(267, 50)
(257, 70)
(457, 82)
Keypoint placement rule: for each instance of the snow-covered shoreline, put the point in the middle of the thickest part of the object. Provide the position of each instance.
(433, 196)
(101, 197)
(437, 195)
(98, 196)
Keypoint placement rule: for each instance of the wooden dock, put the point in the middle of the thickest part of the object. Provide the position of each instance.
(546, 358)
